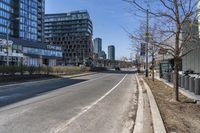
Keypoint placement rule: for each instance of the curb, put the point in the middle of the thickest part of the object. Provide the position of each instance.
(138, 128)
(158, 125)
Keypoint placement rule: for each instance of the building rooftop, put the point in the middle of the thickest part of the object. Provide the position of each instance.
(82, 14)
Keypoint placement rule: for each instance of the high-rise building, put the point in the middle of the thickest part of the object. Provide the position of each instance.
(111, 52)
(24, 19)
(97, 45)
(73, 31)
(102, 55)
(23, 22)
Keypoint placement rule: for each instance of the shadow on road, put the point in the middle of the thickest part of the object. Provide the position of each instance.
(16, 93)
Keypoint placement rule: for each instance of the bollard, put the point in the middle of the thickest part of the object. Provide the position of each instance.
(186, 84)
(172, 77)
(191, 84)
(165, 76)
(169, 79)
(179, 80)
(182, 81)
(197, 86)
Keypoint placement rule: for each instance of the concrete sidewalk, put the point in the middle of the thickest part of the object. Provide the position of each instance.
(148, 118)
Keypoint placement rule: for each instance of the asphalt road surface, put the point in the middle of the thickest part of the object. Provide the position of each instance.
(99, 103)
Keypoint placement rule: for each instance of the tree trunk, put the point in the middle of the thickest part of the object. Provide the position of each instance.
(176, 72)
(153, 68)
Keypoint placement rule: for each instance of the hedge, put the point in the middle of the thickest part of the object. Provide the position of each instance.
(13, 70)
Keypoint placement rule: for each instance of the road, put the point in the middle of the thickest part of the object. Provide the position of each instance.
(99, 103)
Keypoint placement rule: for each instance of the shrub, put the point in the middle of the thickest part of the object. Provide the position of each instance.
(23, 69)
(38, 70)
(2, 70)
(31, 69)
(12, 70)
(49, 70)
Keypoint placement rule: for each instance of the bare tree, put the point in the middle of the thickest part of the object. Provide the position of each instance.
(138, 38)
(175, 18)
(154, 40)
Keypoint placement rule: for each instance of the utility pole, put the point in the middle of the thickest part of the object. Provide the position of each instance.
(153, 61)
(7, 41)
(147, 44)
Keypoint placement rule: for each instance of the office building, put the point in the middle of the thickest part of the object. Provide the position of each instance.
(29, 53)
(24, 19)
(111, 52)
(73, 31)
(190, 51)
(191, 60)
(102, 55)
(97, 45)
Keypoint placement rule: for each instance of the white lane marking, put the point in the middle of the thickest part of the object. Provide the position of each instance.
(64, 126)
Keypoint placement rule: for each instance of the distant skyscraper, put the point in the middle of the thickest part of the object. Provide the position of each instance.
(97, 45)
(102, 55)
(73, 31)
(111, 52)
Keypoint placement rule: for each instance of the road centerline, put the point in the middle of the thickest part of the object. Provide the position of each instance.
(87, 108)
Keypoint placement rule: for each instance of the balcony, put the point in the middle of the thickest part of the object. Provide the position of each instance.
(39, 4)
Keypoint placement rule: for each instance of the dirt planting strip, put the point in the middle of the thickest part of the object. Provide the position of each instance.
(179, 117)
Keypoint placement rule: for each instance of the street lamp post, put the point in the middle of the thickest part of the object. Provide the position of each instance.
(7, 39)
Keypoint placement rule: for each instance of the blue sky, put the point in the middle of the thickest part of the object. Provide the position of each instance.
(108, 17)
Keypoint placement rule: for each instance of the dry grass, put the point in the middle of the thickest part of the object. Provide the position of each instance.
(179, 117)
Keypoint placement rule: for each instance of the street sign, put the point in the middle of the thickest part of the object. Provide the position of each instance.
(162, 50)
(142, 49)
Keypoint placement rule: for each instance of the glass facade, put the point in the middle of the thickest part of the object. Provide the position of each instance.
(30, 52)
(25, 22)
(97, 45)
(6, 13)
(28, 19)
(42, 52)
(73, 23)
(31, 18)
(111, 52)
